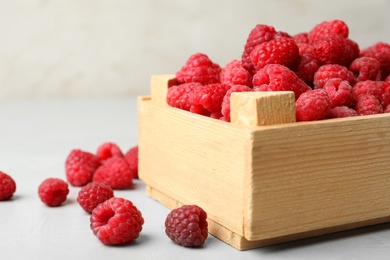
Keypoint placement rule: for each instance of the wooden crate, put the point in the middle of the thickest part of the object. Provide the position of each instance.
(264, 178)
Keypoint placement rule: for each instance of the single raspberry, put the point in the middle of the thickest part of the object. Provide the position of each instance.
(327, 29)
(116, 221)
(207, 100)
(114, 172)
(342, 111)
(368, 105)
(226, 100)
(235, 74)
(187, 226)
(302, 37)
(93, 194)
(312, 105)
(131, 157)
(329, 71)
(282, 51)
(276, 77)
(366, 68)
(336, 50)
(178, 95)
(199, 68)
(80, 167)
(339, 92)
(108, 150)
(53, 191)
(305, 67)
(259, 34)
(7, 186)
(381, 52)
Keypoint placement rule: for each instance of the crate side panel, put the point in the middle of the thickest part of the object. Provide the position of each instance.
(319, 175)
(194, 159)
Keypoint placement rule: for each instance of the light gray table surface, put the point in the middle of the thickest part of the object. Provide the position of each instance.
(36, 135)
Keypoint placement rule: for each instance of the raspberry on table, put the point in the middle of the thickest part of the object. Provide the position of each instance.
(282, 51)
(381, 52)
(368, 105)
(7, 186)
(80, 167)
(312, 105)
(339, 92)
(108, 150)
(342, 111)
(114, 172)
(328, 28)
(336, 50)
(199, 68)
(366, 68)
(225, 110)
(276, 77)
(53, 191)
(179, 95)
(235, 74)
(116, 221)
(187, 226)
(93, 194)
(131, 158)
(329, 71)
(305, 67)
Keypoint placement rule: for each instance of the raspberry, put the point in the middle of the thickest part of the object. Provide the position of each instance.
(187, 226)
(226, 100)
(108, 150)
(53, 191)
(336, 50)
(114, 172)
(178, 95)
(329, 71)
(93, 194)
(261, 33)
(80, 167)
(339, 92)
(305, 67)
(342, 111)
(381, 52)
(327, 29)
(199, 68)
(379, 89)
(282, 51)
(368, 105)
(207, 100)
(312, 105)
(132, 160)
(275, 77)
(235, 74)
(301, 37)
(7, 186)
(366, 68)
(116, 221)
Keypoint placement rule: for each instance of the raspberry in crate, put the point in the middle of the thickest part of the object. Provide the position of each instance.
(264, 178)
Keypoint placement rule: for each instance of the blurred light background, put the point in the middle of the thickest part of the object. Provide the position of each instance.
(92, 48)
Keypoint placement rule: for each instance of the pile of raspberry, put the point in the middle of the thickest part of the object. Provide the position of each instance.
(330, 75)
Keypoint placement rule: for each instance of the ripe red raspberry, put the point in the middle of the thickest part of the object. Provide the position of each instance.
(328, 28)
(330, 71)
(207, 100)
(80, 167)
(178, 95)
(305, 67)
(235, 74)
(336, 50)
(7, 186)
(226, 100)
(342, 111)
(276, 77)
(187, 226)
(116, 221)
(131, 157)
(302, 37)
(108, 150)
(366, 68)
(312, 105)
(368, 105)
(93, 194)
(114, 172)
(259, 34)
(282, 51)
(379, 89)
(199, 68)
(339, 92)
(53, 191)
(381, 52)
